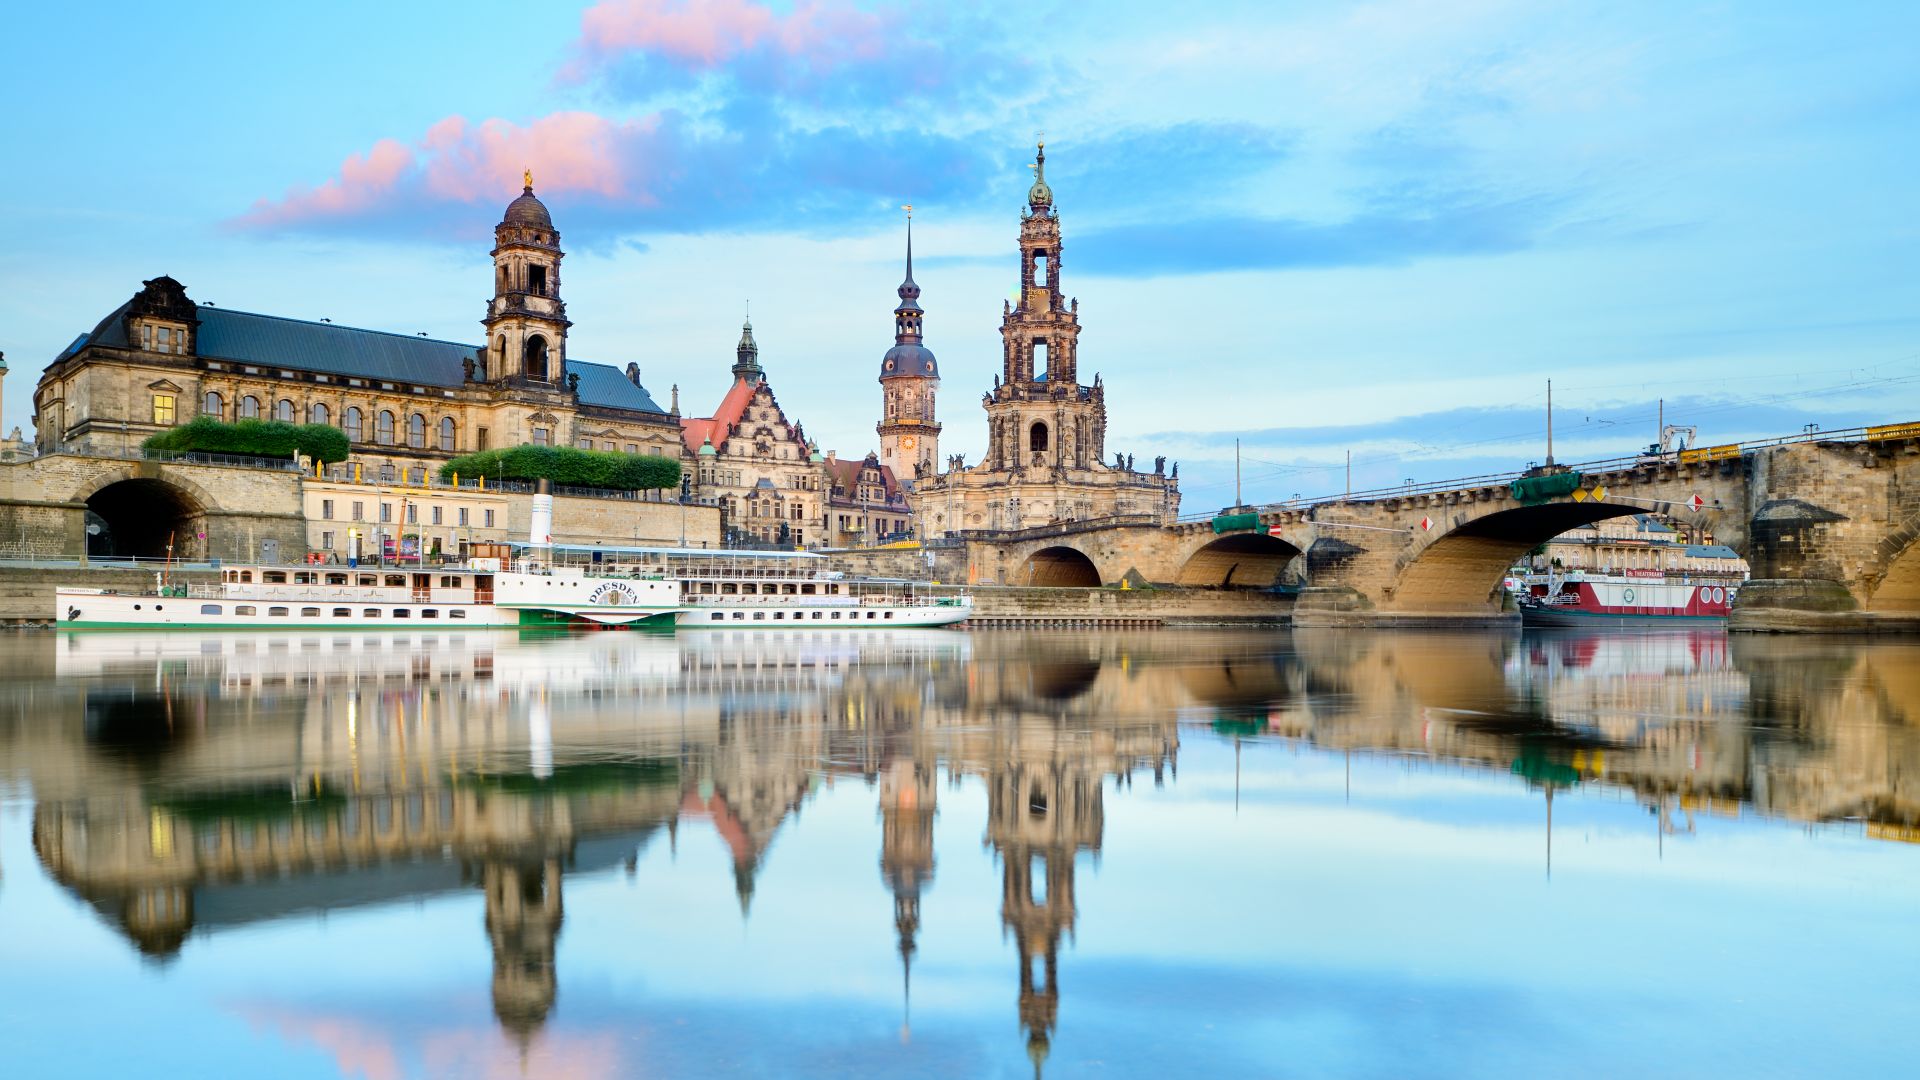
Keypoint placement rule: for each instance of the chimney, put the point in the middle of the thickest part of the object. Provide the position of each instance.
(676, 399)
(633, 373)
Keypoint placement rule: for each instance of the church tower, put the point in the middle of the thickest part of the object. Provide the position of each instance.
(909, 375)
(1039, 418)
(526, 320)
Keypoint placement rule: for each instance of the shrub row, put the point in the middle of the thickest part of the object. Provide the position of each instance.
(567, 465)
(260, 438)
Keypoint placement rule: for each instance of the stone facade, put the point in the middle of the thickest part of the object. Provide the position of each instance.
(909, 377)
(1046, 450)
(754, 463)
(407, 403)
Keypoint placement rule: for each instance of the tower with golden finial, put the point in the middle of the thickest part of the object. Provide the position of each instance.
(909, 378)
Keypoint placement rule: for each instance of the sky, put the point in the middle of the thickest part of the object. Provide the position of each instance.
(1376, 228)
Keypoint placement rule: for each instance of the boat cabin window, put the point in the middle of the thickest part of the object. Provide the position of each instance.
(449, 581)
(343, 613)
(807, 589)
(309, 612)
(274, 577)
(759, 616)
(246, 577)
(396, 581)
(304, 578)
(210, 609)
(749, 588)
(336, 579)
(718, 615)
(367, 579)
(456, 613)
(276, 611)
(401, 613)
(429, 613)
(729, 588)
(244, 609)
(370, 613)
(836, 614)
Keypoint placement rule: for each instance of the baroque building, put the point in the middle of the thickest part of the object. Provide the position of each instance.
(909, 375)
(406, 403)
(753, 462)
(1046, 431)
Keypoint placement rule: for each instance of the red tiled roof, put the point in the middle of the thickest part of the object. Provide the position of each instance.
(693, 432)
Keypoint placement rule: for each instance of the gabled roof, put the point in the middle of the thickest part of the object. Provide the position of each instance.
(845, 473)
(695, 431)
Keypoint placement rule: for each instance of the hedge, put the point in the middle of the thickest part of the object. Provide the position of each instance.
(261, 438)
(567, 465)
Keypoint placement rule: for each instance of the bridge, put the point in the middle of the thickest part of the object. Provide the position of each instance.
(1829, 523)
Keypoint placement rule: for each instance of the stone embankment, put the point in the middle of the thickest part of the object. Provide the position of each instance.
(1012, 606)
(26, 592)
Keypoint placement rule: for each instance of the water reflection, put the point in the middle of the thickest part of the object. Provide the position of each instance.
(187, 785)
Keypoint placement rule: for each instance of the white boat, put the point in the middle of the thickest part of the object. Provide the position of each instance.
(514, 586)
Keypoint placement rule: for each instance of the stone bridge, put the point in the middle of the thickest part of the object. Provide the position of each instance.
(1829, 527)
(64, 505)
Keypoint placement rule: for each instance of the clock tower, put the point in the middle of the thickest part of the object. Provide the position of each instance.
(909, 434)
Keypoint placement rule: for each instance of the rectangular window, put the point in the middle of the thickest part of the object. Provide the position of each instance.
(166, 339)
(718, 615)
(343, 613)
(146, 337)
(386, 511)
(370, 613)
(633, 448)
(486, 517)
(210, 609)
(326, 541)
(584, 444)
(326, 509)
(457, 613)
(542, 436)
(654, 450)
(277, 611)
(429, 613)
(482, 440)
(309, 612)
(244, 609)
(463, 515)
(401, 613)
(163, 409)
(359, 510)
(436, 515)
(413, 513)
(816, 615)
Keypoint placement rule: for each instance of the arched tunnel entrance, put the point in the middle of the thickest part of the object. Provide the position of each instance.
(1461, 570)
(1059, 568)
(139, 518)
(1899, 587)
(1238, 561)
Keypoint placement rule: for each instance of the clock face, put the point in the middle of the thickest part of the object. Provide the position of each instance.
(908, 443)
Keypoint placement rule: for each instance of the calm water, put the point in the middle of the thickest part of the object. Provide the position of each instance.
(950, 855)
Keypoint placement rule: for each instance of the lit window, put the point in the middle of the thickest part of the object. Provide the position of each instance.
(163, 409)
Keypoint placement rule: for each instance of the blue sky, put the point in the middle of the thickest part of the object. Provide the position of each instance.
(1319, 228)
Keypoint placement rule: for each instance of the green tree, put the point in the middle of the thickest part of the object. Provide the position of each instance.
(260, 438)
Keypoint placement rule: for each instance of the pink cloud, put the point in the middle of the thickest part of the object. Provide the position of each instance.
(704, 34)
(459, 161)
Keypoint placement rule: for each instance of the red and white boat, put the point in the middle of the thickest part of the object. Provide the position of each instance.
(1588, 600)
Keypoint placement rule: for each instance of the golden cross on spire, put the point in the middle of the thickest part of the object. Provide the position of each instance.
(909, 209)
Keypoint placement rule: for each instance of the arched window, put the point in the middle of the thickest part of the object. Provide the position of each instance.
(446, 433)
(1037, 437)
(417, 432)
(383, 427)
(283, 410)
(213, 405)
(536, 358)
(319, 414)
(353, 422)
(249, 408)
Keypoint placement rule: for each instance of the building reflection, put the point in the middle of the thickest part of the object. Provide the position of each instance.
(189, 784)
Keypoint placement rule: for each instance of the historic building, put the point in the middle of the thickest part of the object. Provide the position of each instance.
(406, 403)
(753, 462)
(909, 433)
(1046, 432)
(866, 502)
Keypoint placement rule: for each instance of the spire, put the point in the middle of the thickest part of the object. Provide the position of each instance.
(747, 354)
(1040, 196)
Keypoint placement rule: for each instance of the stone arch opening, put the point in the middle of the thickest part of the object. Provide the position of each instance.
(1462, 570)
(1060, 567)
(1037, 437)
(535, 366)
(1238, 561)
(138, 518)
(1899, 586)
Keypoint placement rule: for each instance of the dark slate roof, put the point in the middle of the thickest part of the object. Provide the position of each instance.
(249, 338)
(1712, 551)
(609, 388)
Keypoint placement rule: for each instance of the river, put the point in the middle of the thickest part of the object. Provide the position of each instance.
(949, 854)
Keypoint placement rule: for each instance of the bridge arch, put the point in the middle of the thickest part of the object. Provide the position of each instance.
(1059, 567)
(139, 516)
(1461, 569)
(1249, 560)
(1897, 588)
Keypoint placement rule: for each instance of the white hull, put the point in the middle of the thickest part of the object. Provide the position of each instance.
(786, 616)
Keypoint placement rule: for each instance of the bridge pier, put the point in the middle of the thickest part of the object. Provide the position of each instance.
(1811, 606)
(1343, 606)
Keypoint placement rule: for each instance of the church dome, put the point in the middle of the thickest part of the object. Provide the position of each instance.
(529, 211)
(909, 361)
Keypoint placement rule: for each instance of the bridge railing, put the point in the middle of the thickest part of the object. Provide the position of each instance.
(1875, 433)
